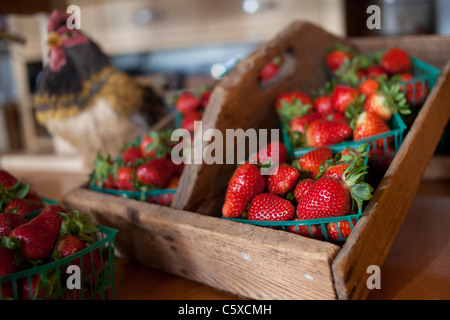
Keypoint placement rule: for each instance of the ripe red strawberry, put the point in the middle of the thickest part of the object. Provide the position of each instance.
(336, 170)
(375, 71)
(303, 187)
(396, 61)
(292, 104)
(187, 102)
(126, 178)
(38, 236)
(312, 160)
(331, 197)
(204, 98)
(154, 144)
(377, 103)
(369, 124)
(336, 56)
(10, 221)
(335, 116)
(269, 207)
(283, 181)
(246, 183)
(323, 133)
(103, 175)
(386, 101)
(299, 124)
(264, 155)
(271, 69)
(368, 86)
(156, 172)
(416, 91)
(189, 120)
(303, 230)
(323, 104)
(344, 229)
(22, 206)
(343, 95)
(7, 264)
(7, 180)
(131, 155)
(33, 195)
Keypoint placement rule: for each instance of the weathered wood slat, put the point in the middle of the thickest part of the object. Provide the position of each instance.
(250, 261)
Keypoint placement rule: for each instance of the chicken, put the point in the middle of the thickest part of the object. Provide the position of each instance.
(83, 99)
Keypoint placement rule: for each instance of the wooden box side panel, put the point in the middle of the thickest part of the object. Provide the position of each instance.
(369, 243)
(238, 102)
(249, 261)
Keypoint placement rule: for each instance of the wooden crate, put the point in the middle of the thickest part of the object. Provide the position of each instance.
(189, 239)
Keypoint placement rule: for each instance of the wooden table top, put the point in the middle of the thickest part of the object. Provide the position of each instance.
(416, 268)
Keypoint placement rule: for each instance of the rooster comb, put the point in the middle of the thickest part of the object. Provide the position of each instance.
(56, 20)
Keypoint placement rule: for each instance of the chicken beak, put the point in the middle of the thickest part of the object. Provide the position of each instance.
(54, 40)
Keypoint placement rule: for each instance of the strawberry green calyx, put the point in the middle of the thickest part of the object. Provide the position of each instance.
(293, 110)
(352, 178)
(103, 168)
(18, 191)
(395, 98)
(354, 109)
(80, 225)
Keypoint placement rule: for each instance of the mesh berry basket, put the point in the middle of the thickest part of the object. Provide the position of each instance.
(54, 281)
(162, 197)
(394, 136)
(328, 229)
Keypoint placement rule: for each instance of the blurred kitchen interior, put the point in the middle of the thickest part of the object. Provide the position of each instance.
(171, 45)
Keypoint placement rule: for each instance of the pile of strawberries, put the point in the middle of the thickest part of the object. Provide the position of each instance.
(16, 196)
(144, 164)
(191, 105)
(51, 235)
(359, 102)
(317, 185)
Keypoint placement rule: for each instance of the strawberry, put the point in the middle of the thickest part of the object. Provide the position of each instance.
(204, 98)
(303, 187)
(264, 155)
(10, 221)
(283, 181)
(323, 133)
(337, 56)
(270, 207)
(293, 104)
(369, 124)
(331, 197)
(386, 101)
(7, 261)
(131, 155)
(189, 119)
(374, 72)
(38, 236)
(156, 172)
(343, 95)
(187, 102)
(7, 180)
(395, 61)
(415, 91)
(103, 175)
(33, 195)
(344, 229)
(335, 116)
(155, 144)
(323, 104)
(126, 178)
(368, 86)
(303, 230)
(246, 183)
(271, 69)
(336, 170)
(23, 206)
(299, 124)
(312, 160)
(34, 288)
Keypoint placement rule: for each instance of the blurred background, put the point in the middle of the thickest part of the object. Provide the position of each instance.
(171, 45)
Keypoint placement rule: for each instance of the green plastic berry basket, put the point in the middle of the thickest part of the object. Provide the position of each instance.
(162, 197)
(312, 228)
(395, 136)
(57, 282)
